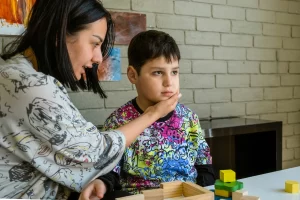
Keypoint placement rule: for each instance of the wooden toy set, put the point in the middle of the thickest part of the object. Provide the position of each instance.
(177, 190)
(227, 187)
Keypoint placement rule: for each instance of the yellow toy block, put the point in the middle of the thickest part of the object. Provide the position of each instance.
(291, 186)
(222, 193)
(227, 175)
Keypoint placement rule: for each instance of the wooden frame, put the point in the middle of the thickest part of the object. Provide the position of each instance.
(186, 190)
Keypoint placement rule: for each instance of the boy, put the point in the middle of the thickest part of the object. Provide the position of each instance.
(172, 148)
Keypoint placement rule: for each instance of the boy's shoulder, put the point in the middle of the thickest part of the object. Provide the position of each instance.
(124, 109)
(184, 110)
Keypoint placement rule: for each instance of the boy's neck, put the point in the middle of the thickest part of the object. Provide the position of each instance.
(143, 104)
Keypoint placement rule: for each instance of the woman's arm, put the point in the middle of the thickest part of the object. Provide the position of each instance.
(134, 128)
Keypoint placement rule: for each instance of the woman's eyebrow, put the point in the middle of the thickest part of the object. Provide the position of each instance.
(101, 40)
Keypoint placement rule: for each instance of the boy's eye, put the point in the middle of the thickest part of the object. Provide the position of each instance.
(157, 73)
(174, 72)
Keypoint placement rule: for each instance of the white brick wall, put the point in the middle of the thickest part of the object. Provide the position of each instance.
(252, 28)
(247, 94)
(267, 42)
(202, 38)
(229, 53)
(212, 96)
(152, 6)
(255, 15)
(239, 58)
(190, 8)
(209, 67)
(249, 3)
(175, 22)
(243, 67)
(228, 12)
(236, 40)
(277, 30)
(218, 25)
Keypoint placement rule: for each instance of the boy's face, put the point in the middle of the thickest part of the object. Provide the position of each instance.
(157, 81)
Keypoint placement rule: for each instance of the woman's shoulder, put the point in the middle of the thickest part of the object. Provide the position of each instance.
(18, 78)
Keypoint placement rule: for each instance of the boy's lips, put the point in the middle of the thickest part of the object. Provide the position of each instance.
(167, 93)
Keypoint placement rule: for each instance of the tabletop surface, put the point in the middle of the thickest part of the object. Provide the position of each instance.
(271, 186)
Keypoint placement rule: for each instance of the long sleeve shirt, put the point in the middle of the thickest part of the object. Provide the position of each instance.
(47, 149)
(168, 150)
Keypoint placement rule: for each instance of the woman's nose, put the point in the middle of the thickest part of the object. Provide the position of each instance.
(97, 57)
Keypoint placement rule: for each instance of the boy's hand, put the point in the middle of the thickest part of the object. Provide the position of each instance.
(162, 108)
(94, 191)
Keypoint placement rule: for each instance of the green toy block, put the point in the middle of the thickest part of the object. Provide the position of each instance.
(231, 187)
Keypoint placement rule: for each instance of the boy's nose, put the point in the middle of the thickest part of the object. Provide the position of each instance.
(167, 81)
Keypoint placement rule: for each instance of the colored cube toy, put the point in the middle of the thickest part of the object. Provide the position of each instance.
(227, 175)
(222, 193)
(291, 186)
(231, 187)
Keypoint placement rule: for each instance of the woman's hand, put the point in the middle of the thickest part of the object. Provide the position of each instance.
(162, 108)
(134, 128)
(94, 191)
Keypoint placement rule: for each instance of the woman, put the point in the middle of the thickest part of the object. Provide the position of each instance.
(47, 149)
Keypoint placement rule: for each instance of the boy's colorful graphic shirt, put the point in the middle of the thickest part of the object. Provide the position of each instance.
(166, 151)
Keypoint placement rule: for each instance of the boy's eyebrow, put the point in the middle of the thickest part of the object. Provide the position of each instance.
(162, 68)
(101, 40)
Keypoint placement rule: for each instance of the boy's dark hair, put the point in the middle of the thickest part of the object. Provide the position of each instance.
(50, 21)
(149, 45)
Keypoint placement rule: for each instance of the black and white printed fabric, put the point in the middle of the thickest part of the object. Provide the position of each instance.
(47, 148)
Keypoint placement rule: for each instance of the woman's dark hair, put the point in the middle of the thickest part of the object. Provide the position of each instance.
(50, 21)
(149, 45)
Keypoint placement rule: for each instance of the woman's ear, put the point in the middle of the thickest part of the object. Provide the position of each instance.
(132, 74)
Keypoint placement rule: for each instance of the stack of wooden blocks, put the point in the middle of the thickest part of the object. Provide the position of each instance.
(228, 186)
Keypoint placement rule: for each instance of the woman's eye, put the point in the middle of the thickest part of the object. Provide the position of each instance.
(96, 44)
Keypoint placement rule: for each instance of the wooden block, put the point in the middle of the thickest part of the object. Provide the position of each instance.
(132, 197)
(192, 189)
(246, 197)
(227, 175)
(154, 194)
(238, 194)
(222, 193)
(172, 189)
(206, 196)
(291, 186)
(231, 187)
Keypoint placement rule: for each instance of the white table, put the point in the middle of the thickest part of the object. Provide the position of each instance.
(271, 186)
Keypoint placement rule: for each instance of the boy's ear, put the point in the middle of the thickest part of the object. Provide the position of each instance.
(132, 74)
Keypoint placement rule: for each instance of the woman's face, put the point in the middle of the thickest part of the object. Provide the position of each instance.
(84, 48)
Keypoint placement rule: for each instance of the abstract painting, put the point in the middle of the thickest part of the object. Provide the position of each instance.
(127, 25)
(13, 16)
(110, 69)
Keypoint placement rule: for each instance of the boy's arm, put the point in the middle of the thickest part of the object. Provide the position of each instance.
(203, 153)
(112, 179)
(206, 174)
